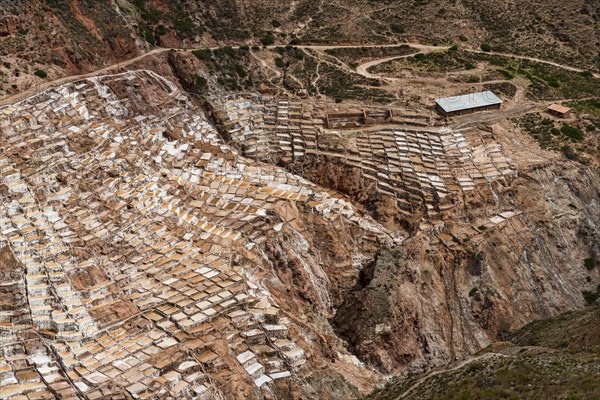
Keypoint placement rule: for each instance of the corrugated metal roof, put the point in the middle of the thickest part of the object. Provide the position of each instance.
(467, 101)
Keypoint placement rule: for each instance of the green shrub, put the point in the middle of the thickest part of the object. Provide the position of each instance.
(506, 74)
(275, 23)
(140, 4)
(463, 38)
(40, 73)
(486, 47)
(589, 264)
(267, 40)
(152, 15)
(161, 30)
(229, 51)
(552, 82)
(473, 292)
(201, 82)
(482, 228)
(590, 297)
(453, 49)
(203, 54)
(183, 26)
(147, 35)
(397, 28)
(569, 153)
(279, 62)
(572, 133)
(240, 71)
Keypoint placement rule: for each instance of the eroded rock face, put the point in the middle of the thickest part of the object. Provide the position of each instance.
(422, 309)
(490, 245)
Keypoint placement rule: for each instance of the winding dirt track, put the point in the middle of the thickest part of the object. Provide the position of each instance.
(361, 69)
(432, 374)
(70, 78)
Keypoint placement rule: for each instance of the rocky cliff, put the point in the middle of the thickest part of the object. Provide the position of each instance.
(430, 301)
(469, 264)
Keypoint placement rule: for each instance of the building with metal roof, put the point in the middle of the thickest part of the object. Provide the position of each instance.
(468, 103)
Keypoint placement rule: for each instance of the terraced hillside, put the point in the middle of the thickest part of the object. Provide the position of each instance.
(215, 200)
(132, 236)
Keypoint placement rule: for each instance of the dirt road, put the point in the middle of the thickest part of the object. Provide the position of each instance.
(70, 78)
(430, 375)
(361, 69)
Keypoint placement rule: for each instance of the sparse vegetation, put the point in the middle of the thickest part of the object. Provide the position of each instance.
(547, 82)
(569, 153)
(147, 34)
(203, 54)
(506, 89)
(201, 82)
(559, 139)
(571, 132)
(267, 40)
(40, 73)
(356, 54)
(230, 67)
(570, 370)
(397, 28)
(506, 74)
(486, 47)
(591, 106)
(228, 64)
(161, 30)
(591, 297)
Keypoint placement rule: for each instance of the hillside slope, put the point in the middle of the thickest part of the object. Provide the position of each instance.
(65, 37)
(296, 221)
(554, 358)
